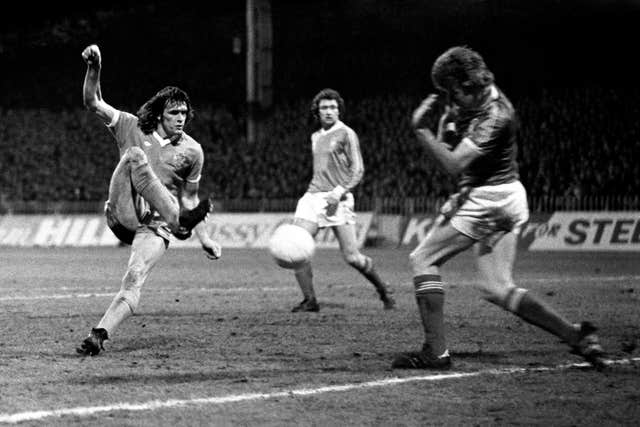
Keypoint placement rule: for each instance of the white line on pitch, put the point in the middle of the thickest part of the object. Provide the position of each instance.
(55, 296)
(151, 292)
(173, 403)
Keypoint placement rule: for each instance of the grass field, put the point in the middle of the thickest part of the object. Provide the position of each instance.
(215, 343)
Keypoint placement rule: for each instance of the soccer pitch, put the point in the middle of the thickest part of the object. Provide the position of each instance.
(215, 343)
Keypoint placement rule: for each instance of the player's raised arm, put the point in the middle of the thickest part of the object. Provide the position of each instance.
(453, 161)
(91, 93)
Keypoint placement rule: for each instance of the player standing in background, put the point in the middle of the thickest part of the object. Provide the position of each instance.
(486, 213)
(328, 202)
(153, 191)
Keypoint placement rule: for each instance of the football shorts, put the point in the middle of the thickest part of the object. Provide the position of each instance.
(149, 222)
(488, 212)
(313, 207)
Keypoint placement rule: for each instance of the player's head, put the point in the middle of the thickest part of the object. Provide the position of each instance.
(162, 107)
(327, 107)
(461, 70)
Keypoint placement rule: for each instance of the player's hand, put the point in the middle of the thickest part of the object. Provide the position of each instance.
(91, 55)
(331, 208)
(447, 124)
(428, 105)
(212, 249)
(333, 199)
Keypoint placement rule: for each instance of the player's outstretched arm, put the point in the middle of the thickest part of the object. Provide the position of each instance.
(190, 200)
(91, 92)
(212, 249)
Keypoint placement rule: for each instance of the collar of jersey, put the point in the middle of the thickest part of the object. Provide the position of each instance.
(160, 139)
(335, 126)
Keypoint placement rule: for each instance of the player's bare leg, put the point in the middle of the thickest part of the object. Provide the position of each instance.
(496, 265)
(304, 275)
(442, 243)
(146, 250)
(346, 236)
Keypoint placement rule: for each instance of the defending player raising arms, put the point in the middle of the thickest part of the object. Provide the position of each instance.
(328, 202)
(486, 213)
(153, 192)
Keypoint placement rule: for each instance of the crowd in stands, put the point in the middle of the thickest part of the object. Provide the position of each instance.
(573, 142)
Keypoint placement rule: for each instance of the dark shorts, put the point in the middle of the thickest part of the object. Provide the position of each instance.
(120, 231)
(126, 235)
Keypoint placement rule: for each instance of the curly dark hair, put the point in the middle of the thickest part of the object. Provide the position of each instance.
(463, 67)
(151, 111)
(326, 93)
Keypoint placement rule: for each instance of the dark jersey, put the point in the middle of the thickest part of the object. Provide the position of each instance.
(491, 129)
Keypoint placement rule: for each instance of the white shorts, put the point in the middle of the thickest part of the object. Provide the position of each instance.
(489, 211)
(312, 207)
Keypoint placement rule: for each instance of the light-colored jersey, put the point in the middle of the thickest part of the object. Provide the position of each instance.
(491, 129)
(173, 163)
(336, 159)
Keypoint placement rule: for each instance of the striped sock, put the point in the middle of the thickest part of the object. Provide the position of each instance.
(529, 308)
(430, 299)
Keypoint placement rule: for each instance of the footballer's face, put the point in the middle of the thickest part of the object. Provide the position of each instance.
(328, 112)
(467, 99)
(174, 118)
(462, 99)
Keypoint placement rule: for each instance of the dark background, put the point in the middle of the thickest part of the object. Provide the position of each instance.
(568, 66)
(363, 47)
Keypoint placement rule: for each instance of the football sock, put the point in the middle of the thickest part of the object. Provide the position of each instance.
(531, 309)
(304, 276)
(117, 312)
(368, 271)
(430, 298)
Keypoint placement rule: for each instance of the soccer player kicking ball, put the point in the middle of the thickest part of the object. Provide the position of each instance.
(328, 202)
(486, 213)
(153, 192)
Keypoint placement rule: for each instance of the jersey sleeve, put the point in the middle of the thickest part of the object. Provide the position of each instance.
(123, 124)
(355, 157)
(484, 131)
(196, 166)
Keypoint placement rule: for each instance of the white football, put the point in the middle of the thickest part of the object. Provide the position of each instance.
(291, 246)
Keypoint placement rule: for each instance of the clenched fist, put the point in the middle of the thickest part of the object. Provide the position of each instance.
(91, 55)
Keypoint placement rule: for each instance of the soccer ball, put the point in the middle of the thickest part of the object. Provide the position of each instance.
(291, 246)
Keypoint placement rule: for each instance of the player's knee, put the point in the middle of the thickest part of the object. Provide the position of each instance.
(354, 259)
(418, 261)
(136, 155)
(133, 276)
(131, 285)
(131, 297)
(497, 293)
